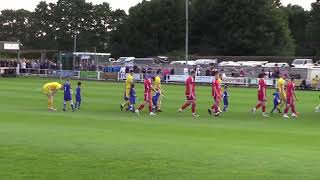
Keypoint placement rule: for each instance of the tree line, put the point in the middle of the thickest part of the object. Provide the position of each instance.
(157, 27)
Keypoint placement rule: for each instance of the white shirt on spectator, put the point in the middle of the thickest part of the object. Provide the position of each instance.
(23, 65)
(186, 71)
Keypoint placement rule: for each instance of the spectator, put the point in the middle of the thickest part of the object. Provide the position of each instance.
(172, 71)
(208, 72)
(23, 66)
(198, 70)
(315, 82)
(186, 71)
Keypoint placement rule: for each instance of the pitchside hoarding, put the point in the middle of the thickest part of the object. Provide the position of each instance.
(9, 46)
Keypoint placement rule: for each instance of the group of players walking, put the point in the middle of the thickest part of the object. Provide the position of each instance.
(153, 101)
(284, 96)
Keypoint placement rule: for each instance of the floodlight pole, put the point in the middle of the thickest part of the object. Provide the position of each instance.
(187, 31)
(60, 64)
(74, 50)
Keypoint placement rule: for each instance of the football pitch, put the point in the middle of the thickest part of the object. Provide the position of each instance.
(100, 142)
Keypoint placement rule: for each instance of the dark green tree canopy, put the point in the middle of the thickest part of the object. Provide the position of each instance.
(157, 27)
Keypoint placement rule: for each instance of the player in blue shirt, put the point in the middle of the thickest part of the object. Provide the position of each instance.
(276, 101)
(225, 97)
(78, 96)
(155, 99)
(132, 99)
(67, 96)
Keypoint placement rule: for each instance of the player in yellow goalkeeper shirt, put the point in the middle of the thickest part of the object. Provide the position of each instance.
(128, 83)
(282, 92)
(158, 88)
(50, 90)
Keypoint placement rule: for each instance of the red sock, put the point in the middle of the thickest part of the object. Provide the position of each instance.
(193, 107)
(286, 110)
(150, 107)
(258, 106)
(293, 109)
(185, 106)
(213, 106)
(264, 109)
(141, 107)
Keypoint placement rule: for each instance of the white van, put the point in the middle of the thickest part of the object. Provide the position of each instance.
(302, 63)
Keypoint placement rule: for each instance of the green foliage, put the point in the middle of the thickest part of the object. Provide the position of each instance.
(314, 27)
(157, 27)
(152, 28)
(298, 19)
(224, 27)
(53, 25)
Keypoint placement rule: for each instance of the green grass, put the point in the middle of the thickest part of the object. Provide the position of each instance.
(99, 142)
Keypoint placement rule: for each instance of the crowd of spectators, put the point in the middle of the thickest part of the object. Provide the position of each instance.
(29, 64)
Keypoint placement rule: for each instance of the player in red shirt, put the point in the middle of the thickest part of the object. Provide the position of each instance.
(262, 95)
(147, 96)
(216, 95)
(291, 95)
(190, 94)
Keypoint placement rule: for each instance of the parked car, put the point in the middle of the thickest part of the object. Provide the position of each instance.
(125, 59)
(190, 63)
(271, 65)
(228, 63)
(206, 61)
(252, 63)
(302, 63)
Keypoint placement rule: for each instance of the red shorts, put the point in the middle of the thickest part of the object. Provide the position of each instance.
(216, 98)
(190, 98)
(261, 98)
(290, 100)
(147, 97)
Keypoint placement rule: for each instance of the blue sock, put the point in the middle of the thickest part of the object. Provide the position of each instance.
(76, 105)
(72, 107)
(225, 108)
(79, 103)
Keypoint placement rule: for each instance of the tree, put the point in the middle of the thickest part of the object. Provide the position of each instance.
(313, 27)
(298, 19)
(42, 27)
(231, 27)
(152, 28)
(14, 25)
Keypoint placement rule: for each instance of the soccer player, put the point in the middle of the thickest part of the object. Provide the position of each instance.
(133, 97)
(216, 95)
(225, 96)
(291, 96)
(50, 90)
(147, 96)
(158, 88)
(262, 95)
(67, 96)
(276, 101)
(282, 92)
(155, 101)
(78, 96)
(128, 83)
(190, 95)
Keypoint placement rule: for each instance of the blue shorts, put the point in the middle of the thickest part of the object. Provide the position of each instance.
(67, 98)
(132, 100)
(155, 101)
